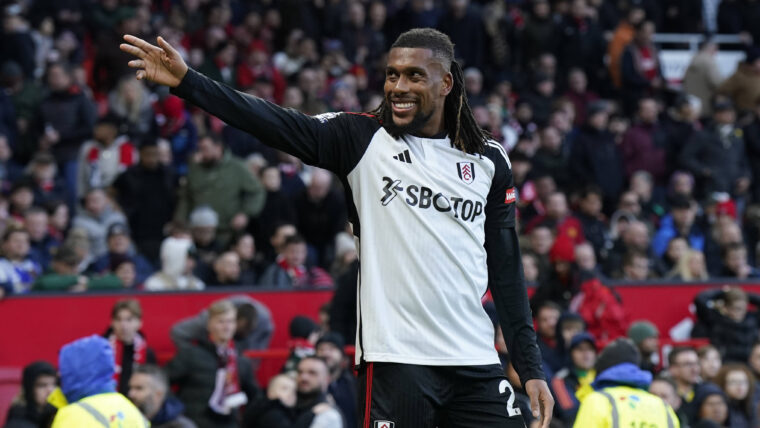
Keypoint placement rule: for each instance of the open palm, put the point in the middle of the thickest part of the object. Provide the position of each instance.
(161, 64)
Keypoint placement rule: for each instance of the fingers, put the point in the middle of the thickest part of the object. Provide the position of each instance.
(133, 50)
(547, 407)
(140, 43)
(141, 74)
(136, 63)
(169, 49)
(534, 406)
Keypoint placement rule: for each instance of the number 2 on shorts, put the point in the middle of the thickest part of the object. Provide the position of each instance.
(511, 410)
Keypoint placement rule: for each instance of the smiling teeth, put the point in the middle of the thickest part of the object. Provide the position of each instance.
(404, 105)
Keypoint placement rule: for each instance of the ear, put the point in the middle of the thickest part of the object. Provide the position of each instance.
(447, 83)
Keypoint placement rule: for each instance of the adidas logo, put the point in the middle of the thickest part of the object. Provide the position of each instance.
(403, 157)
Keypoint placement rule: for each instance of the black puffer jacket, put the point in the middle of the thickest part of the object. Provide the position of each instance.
(733, 339)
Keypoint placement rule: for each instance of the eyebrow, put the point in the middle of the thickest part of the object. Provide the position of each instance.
(407, 70)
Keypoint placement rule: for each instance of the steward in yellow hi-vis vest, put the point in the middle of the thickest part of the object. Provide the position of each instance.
(87, 397)
(620, 399)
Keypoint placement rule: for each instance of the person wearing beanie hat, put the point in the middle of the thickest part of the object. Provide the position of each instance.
(304, 333)
(88, 389)
(571, 384)
(647, 339)
(620, 397)
(710, 404)
(342, 380)
(38, 380)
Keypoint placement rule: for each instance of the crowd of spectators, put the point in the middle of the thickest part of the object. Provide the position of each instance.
(107, 182)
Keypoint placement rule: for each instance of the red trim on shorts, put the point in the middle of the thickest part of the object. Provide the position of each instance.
(368, 395)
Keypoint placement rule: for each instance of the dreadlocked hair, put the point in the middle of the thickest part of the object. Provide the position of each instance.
(459, 122)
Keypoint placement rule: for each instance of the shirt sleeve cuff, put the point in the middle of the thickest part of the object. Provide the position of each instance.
(186, 86)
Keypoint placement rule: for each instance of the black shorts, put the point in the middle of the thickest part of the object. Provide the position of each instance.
(395, 395)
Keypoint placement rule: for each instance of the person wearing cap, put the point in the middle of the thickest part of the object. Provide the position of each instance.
(146, 192)
(105, 156)
(620, 397)
(717, 155)
(203, 229)
(343, 384)
(38, 380)
(646, 337)
(679, 222)
(743, 87)
(221, 181)
(87, 397)
(571, 384)
(710, 406)
(120, 246)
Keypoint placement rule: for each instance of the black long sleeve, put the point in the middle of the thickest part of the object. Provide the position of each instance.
(332, 141)
(507, 284)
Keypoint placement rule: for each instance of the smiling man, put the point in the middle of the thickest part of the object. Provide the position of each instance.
(432, 204)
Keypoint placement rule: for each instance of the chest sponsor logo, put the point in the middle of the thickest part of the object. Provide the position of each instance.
(385, 424)
(511, 196)
(423, 197)
(466, 171)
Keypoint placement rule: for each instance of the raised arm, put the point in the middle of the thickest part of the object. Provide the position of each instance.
(331, 141)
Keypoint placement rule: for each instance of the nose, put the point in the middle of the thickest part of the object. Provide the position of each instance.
(401, 86)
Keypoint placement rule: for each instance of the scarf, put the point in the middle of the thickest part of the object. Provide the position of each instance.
(139, 349)
(299, 274)
(227, 394)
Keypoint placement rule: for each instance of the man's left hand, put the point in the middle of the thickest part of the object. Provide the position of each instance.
(541, 400)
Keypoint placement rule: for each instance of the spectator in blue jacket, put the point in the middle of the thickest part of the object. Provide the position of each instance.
(120, 246)
(679, 222)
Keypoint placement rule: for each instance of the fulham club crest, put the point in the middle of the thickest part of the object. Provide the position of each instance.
(384, 424)
(466, 171)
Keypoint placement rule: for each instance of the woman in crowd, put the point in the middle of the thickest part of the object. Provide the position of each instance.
(738, 383)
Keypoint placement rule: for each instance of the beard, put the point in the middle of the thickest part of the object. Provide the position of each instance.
(419, 120)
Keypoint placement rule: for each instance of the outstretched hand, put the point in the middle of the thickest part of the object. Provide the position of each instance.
(161, 64)
(541, 400)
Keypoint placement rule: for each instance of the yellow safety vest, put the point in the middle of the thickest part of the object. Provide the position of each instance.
(109, 410)
(625, 407)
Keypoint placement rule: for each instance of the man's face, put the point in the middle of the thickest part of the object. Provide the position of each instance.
(556, 207)
(735, 259)
(665, 391)
(645, 33)
(282, 388)
(683, 217)
(17, 245)
(127, 273)
(125, 326)
(725, 117)
(416, 86)
(118, 243)
(649, 345)
(541, 240)
(332, 355)
(221, 327)
(685, 369)
(43, 386)
(209, 151)
(295, 254)
(583, 356)
(637, 269)
(144, 394)
(569, 329)
(737, 310)
(95, 202)
(58, 79)
(546, 322)
(577, 81)
(150, 157)
(312, 376)
(228, 267)
(105, 132)
(648, 111)
(280, 235)
(754, 359)
(37, 225)
(203, 235)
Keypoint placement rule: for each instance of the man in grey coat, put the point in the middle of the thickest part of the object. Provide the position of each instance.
(254, 325)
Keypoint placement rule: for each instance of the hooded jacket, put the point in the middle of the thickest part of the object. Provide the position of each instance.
(86, 368)
(620, 398)
(174, 253)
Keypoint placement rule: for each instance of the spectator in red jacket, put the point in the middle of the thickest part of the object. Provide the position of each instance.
(559, 218)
